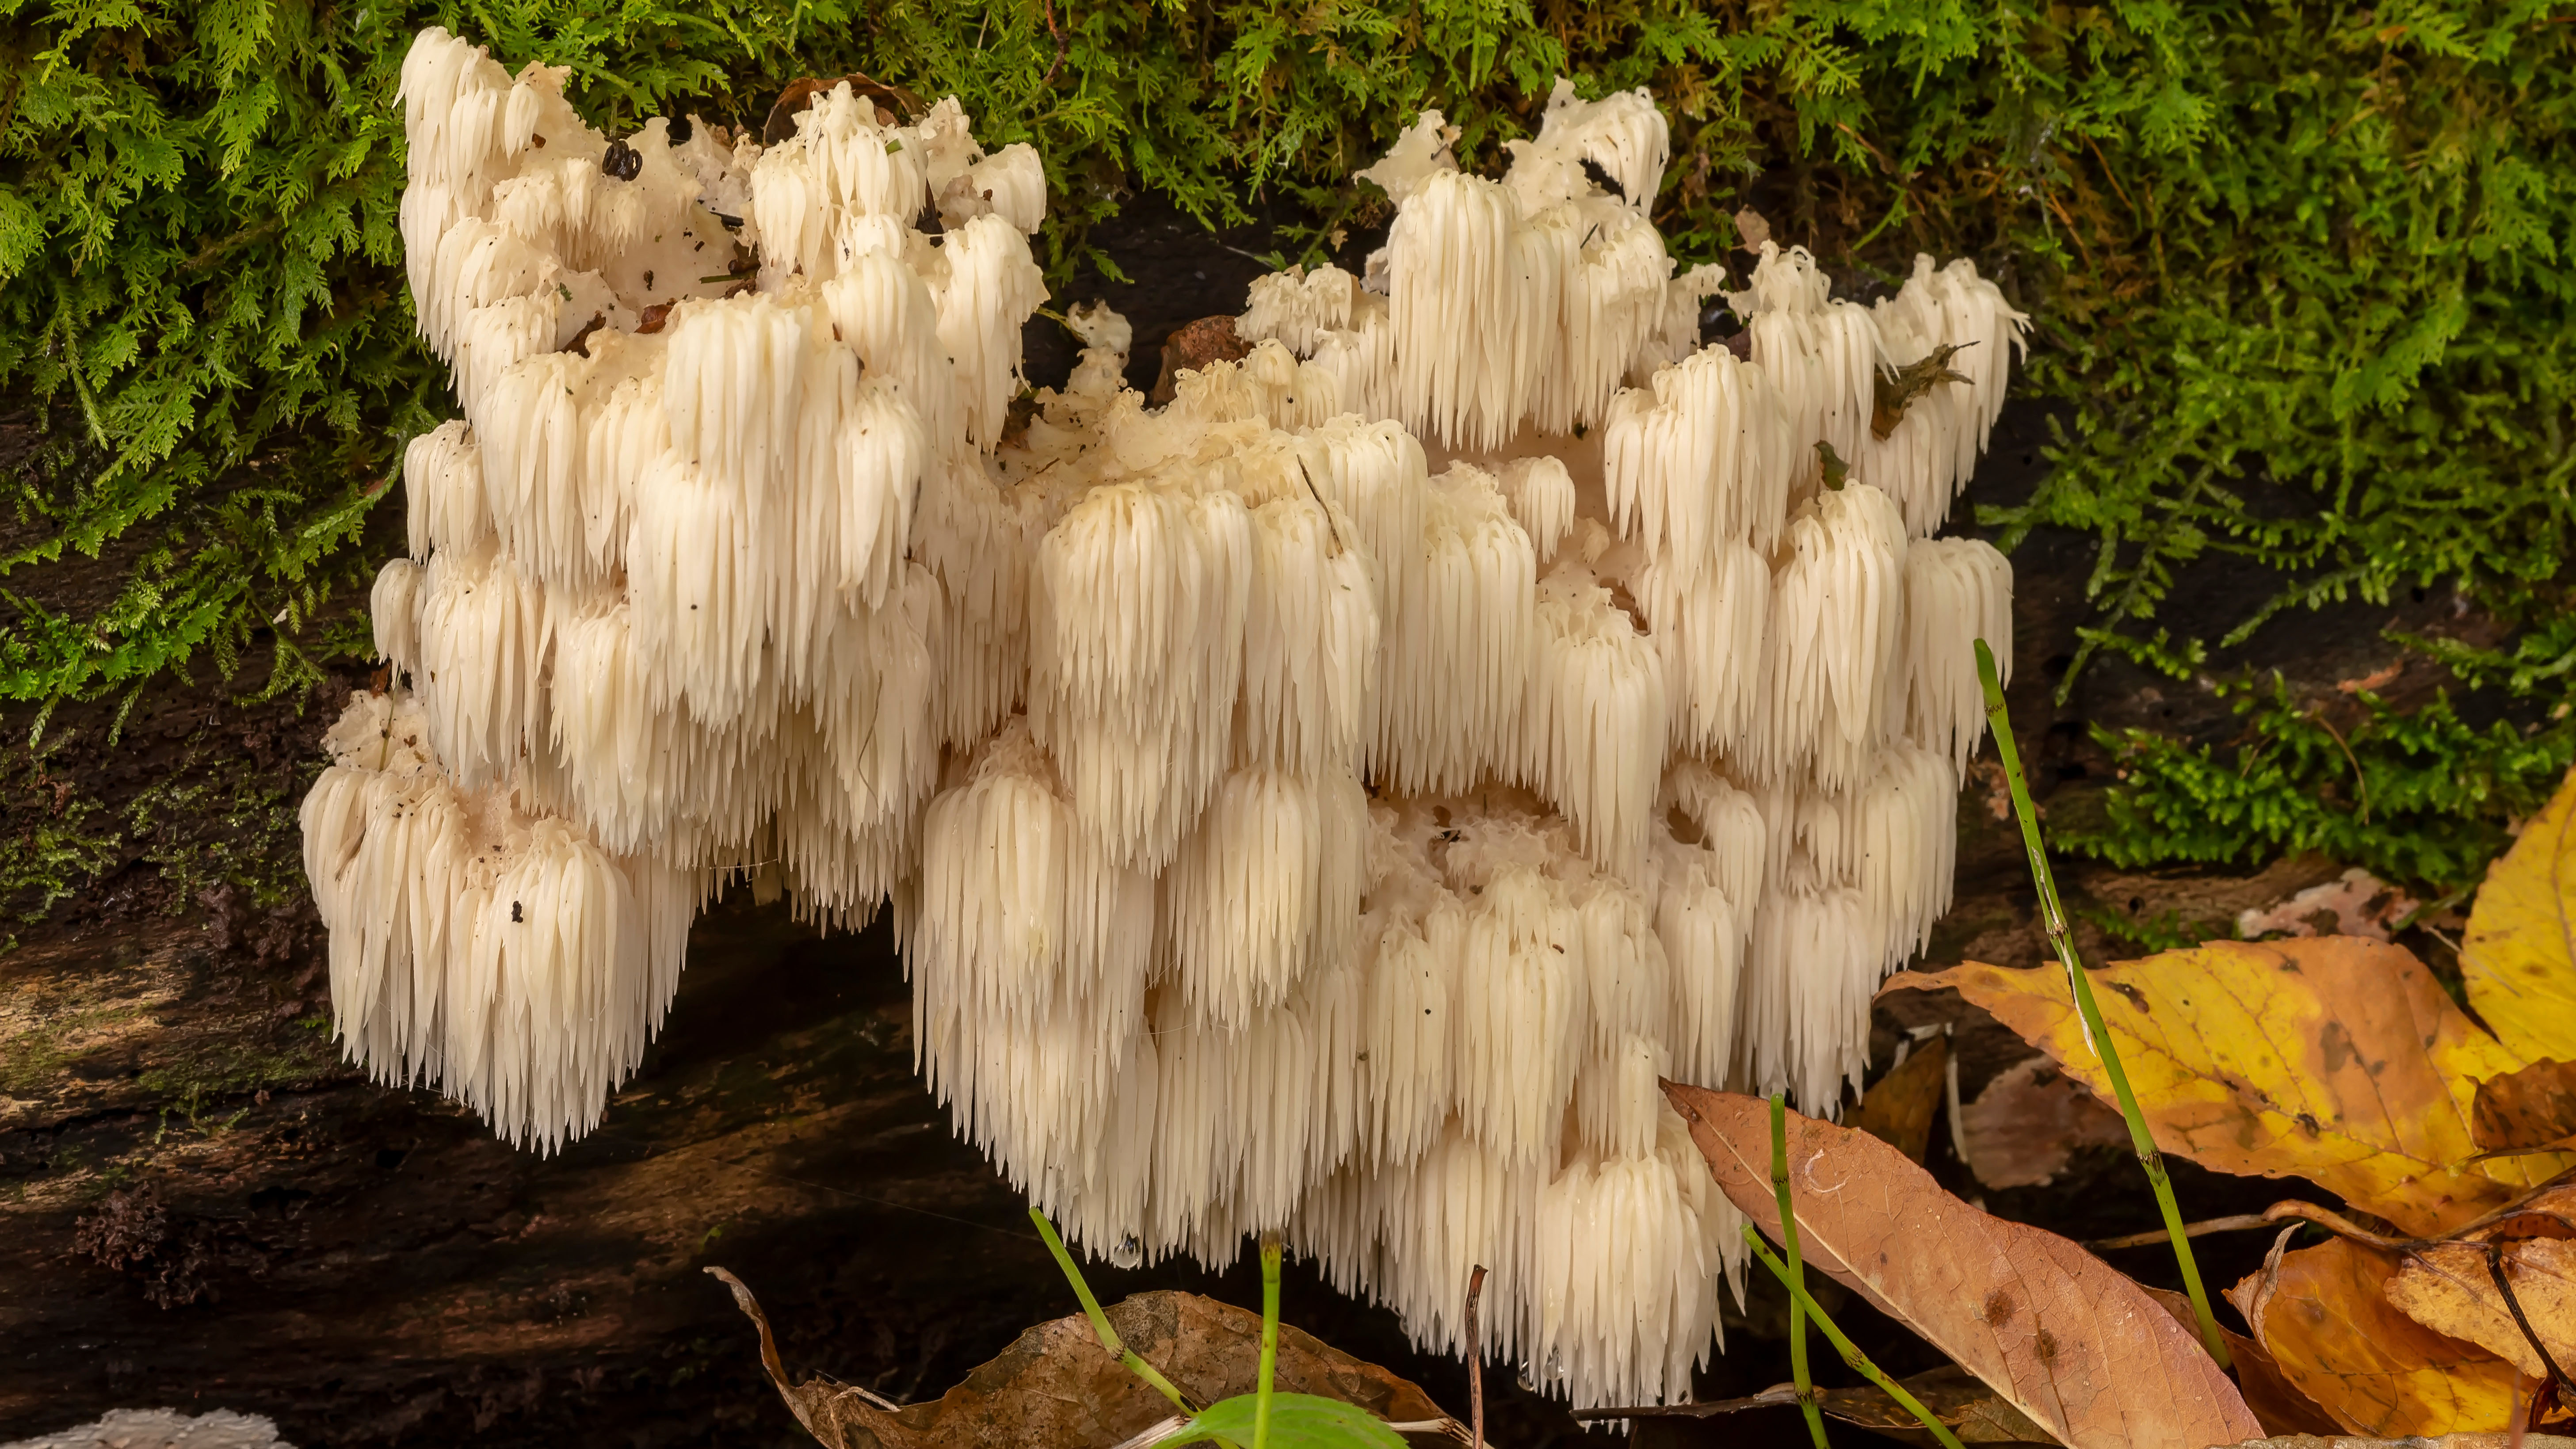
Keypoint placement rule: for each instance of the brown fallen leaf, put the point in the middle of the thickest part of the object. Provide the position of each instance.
(2547, 1211)
(2060, 1335)
(2324, 1315)
(2442, 1441)
(1898, 388)
(2357, 904)
(2276, 1402)
(1056, 1386)
(2534, 1107)
(2329, 1058)
(1955, 1396)
(2450, 1288)
(2028, 1123)
(1899, 1109)
(2518, 960)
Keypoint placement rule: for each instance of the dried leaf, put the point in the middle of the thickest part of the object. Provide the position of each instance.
(1898, 388)
(2451, 1290)
(1837, 470)
(2329, 1058)
(1056, 1386)
(1955, 1396)
(2357, 904)
(2277, 1403)
(2324, 1315)
(1899, 1109)
(2547, 1211)
(2496, 1440)
(2028, 1123)
(2055, 1332)
(2534, 1107)
(2518, 960)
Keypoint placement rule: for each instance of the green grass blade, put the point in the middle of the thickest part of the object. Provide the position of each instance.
(1797, 1272)
(1851, 1353)
(2052, 916)
(1269, 1341)
(1100, 1320)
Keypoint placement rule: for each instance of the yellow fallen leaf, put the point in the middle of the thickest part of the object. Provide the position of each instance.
(2519, 958)
(2451, 1290)
(1899, 1108)
(2324, 1315)
(2331, 1058)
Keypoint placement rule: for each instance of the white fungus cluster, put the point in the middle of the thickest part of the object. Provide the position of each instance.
(1326, 805)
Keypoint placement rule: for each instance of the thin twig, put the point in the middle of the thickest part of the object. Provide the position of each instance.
(1047, 7)
(2203, 1228)
(1875, 154)
(2517, 1208)
(2513, 1303)
(2341, 1226)
(2096, 1034)
(2466, 1234)
(2116, 188)
(1329, 525)
(1475, 1363)
(2360, 782)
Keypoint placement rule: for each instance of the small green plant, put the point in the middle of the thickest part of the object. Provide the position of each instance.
(1262, 1419)
(1793, 1276)
(1859, 1361)
(1797, 1279)
(2052, 918)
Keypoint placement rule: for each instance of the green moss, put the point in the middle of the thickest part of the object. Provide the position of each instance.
(202, 822)
(55, 841)
(186, 1071)
(2297, 271)
(32, 1060)
(2423, 798)
(230, 1069)
(205, 827)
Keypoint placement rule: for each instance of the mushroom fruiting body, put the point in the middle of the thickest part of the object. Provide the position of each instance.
(1327, 804)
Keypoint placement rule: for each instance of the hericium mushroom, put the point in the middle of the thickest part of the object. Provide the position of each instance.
(1324, 805)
